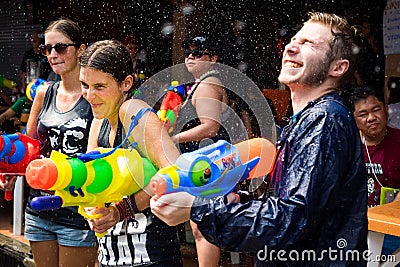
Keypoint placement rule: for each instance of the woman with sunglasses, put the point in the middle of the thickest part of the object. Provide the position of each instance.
(200, 119)
(60, 118)
(135, 236)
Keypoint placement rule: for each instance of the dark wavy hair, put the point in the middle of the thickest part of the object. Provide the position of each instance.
(109, 56)
(363, 92)
(68, 28)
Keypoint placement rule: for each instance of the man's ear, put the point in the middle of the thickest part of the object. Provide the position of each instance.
(339, 68)
(214, 58)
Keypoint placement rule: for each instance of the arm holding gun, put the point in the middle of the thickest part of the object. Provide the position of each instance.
(215, 170)
(88, 184)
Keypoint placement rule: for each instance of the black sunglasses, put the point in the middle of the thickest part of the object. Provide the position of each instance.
(196, 53)
(59, 47)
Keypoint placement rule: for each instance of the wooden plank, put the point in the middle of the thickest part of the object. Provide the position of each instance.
(17, 250)
(385, 218)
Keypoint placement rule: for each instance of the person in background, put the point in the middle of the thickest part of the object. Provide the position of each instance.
(381, 147)
(319, 180)
(200, 119)
(135, 236)
(14, 112)
(33, 59)
(60, 118)
(140, 71)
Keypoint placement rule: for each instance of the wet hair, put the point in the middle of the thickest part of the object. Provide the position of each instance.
(108, 56)
(346, 41)
(68, 28)
(363, 92)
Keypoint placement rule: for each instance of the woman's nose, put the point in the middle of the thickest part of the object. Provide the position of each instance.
(88, 93)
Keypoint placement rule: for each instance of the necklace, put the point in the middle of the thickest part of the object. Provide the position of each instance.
(196, 83)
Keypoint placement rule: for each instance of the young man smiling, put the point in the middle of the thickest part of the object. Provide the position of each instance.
(318, 210)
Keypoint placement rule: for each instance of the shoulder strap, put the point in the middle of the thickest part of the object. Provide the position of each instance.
(211, 73)
(134, 121)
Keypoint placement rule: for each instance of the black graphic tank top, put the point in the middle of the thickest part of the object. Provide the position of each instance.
(66, 132)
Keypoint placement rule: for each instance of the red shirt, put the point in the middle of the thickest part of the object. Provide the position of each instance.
(383, 165)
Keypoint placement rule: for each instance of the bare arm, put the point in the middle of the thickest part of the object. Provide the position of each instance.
(31, 127)
(153, 140)
(208, 100)
(6, 115)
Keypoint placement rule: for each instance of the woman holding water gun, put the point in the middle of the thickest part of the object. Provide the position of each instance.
(136, 237)
(60, 118)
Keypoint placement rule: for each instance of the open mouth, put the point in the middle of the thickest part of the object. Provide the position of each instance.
(292, 64)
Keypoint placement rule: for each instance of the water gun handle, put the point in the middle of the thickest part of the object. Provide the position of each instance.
(8, 195)
(95, 216)
(56, 202)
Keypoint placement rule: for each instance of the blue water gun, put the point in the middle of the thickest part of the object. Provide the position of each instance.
(215, 170)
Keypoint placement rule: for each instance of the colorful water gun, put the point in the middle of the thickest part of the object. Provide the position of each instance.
(215, 170)
(212, 170)
(4, 82)
(169, 109)
(88, 184)
(33, 86)
(16, 152)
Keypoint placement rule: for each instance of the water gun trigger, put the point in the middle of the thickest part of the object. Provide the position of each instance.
(91, 217)
(250, 165)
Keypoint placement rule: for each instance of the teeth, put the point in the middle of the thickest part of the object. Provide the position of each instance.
(292, 65)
